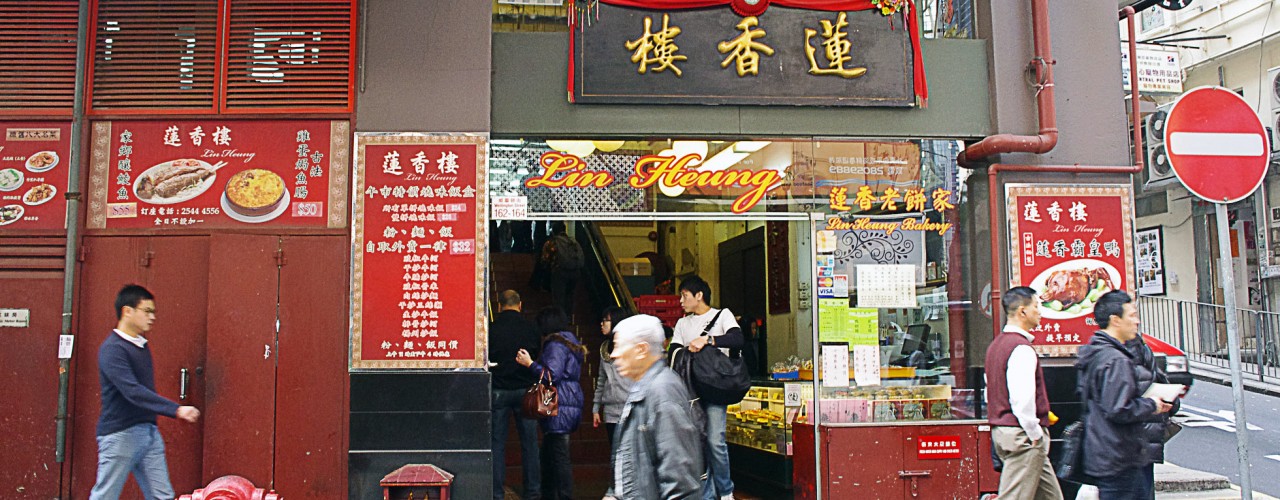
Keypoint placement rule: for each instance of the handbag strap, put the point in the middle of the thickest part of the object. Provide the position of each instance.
(711, 323)
(545, 376)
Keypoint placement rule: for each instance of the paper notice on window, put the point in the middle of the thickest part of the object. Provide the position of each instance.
(866, 365)
(1164, 392)
(887, 286)
(835, 365)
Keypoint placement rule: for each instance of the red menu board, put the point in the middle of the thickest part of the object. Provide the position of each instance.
(35, 160)
(418, 234)
(1070, 244)
(218, 174)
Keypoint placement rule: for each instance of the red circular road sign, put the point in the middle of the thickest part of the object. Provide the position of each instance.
(1217, 146)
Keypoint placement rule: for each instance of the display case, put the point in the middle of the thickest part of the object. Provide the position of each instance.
(759, 432)
(760, 420)
(888, 404)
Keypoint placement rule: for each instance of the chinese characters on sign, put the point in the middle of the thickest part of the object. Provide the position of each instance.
(418, 241)
(218, 174)
(34, 167)
(1159, 71)
(1071, 244)
(714, 56)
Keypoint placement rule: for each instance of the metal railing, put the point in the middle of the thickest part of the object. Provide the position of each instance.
(1200, 330)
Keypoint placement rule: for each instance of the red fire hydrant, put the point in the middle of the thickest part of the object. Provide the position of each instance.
(231, 488)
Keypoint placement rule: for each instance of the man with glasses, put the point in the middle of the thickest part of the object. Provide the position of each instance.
(128, 440)
(659, 454)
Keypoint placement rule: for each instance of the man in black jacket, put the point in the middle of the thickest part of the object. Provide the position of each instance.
(508, 334)
(1115, 410)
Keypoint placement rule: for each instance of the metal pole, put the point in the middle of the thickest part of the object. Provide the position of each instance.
(1233, 349)
(73, 223)
(816, 417)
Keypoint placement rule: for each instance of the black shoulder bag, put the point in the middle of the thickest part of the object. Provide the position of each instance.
(1071, 462)
(719, 379)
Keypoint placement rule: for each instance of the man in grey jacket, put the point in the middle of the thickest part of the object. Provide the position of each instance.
(659, 454)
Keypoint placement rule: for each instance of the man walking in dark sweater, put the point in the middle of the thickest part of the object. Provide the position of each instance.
(1018, 404)
(128, 440)
(508, 334)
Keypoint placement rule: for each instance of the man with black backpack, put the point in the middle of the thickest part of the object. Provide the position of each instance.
(563, 260)
(704, 327)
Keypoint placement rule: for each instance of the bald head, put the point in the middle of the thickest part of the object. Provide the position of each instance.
(509, 300)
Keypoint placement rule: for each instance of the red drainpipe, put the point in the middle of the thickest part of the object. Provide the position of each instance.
(1043, 63)
(993, 196)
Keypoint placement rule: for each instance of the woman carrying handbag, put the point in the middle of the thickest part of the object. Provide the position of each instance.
(562, 357)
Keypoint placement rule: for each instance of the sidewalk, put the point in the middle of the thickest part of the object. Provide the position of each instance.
(1222, 376)
(1178, 483)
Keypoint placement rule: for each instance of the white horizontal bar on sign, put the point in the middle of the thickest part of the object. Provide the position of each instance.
(1215, 144)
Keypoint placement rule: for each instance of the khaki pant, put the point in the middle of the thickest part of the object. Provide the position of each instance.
(1027, 473)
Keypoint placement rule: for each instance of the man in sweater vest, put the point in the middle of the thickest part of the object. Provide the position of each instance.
(1017, 405)
(128, 440)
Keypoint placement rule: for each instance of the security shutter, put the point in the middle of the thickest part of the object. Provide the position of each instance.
(223, 56)
(155, 55)
(290, 55)
(37, 57)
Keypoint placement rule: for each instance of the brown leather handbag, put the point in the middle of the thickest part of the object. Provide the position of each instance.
(541, 400)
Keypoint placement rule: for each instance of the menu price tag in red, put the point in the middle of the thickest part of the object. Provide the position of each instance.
(35, 160)
(418, 234)
(1070, 244)
(937, 447)
(218, 174)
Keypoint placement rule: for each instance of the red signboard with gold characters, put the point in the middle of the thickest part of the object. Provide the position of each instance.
(1071, 244)
(417, 291)
(202, 174)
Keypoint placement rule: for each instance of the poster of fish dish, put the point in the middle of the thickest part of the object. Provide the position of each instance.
(1071, 244)
(212, 174)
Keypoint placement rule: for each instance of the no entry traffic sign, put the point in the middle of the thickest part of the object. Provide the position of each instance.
(1217, 146)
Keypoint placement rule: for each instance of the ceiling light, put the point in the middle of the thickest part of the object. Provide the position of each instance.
(577, 148)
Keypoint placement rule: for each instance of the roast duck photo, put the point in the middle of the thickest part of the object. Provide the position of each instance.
(173, 178)
(1066, 289)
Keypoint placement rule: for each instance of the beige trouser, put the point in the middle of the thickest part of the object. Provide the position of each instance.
(1027, 473)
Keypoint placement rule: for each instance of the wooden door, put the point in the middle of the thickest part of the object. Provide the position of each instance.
(175, 270)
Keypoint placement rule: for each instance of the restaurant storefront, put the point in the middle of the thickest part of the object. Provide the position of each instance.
(820, 197)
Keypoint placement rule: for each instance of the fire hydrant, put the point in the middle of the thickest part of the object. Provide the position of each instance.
(231, 488)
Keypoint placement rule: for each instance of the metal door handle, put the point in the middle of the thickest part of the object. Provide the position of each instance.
(914, 474)
(182, 387)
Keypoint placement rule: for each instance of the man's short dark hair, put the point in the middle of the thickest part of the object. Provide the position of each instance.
(509, 298)
(131, 296)
(1108, 305)
(552, 319)
(695, 285)
(1016, 297)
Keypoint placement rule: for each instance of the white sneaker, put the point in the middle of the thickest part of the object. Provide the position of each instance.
(727, 497)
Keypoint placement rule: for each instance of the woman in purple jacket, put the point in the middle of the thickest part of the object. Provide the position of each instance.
(562, 357)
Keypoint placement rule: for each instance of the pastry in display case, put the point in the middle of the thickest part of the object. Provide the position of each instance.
(760, 421)
(886, 404)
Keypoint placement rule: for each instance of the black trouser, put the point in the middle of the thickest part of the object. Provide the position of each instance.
(557, 472)
(613, 450)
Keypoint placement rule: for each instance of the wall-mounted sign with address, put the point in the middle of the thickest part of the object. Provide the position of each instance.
(849, 53)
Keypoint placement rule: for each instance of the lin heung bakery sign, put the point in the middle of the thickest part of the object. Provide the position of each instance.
(207, 174)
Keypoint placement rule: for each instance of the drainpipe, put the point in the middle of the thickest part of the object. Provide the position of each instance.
(73, 222)
(993, 171)
(1043, 63)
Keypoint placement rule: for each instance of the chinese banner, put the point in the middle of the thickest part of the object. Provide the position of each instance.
(218, 174)
(418, 233)
(1071, 244)
(35, 162)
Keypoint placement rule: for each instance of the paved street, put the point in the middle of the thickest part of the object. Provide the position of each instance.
(1208, 441)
